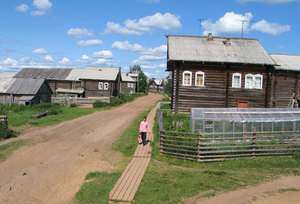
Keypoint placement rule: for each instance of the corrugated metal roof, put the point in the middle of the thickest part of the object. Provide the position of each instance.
(200, 49)
(37, 73)
(287, 62)
(126, 78)
(25, 86)
(100, 73)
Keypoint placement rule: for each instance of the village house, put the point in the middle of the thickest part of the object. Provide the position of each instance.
(128, 84)
(135, 77)
(156, 86)
(218, 72)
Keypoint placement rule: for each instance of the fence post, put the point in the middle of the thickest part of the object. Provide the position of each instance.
(199, 147)
(253, 140)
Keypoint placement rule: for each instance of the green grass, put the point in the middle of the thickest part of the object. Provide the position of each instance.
(9, 148)
(171, 180)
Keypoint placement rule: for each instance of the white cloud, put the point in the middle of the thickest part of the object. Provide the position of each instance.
(154, 66)
(84, 57)
(229, 23)
(42, 4)
(48, 58)
(38, 13)
(9, 61)
(39, 51)
(22, 8)
(145, 59)
(126, 46)
(144, 25)
(64, 60)
(103, 54)
(268, 1)
(80, 32)
(100, 61)
(270, 28)
(161, 50)
(86, 43)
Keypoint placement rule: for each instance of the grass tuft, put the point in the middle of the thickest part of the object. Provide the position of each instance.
(9, 148)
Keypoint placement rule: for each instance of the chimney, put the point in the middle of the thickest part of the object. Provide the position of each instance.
(210, 37)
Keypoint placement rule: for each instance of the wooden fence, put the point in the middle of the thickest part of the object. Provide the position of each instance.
(78, 101)
(208, 147)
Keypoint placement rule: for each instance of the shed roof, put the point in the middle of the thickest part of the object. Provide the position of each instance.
(217, 49)
(25, 86)
(287, 62)
(100, 73)
(6, 80)
(6, 75)
(126, 78)
(39, 73)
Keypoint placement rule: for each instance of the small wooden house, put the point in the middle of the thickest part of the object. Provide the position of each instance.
(156, 86)
(128, 84)
(285, 81)
(25, 91)
(218, 72)
(135, 77)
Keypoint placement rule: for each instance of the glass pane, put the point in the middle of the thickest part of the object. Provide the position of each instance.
(187, 78)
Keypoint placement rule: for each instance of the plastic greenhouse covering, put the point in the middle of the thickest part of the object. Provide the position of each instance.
(216, 120)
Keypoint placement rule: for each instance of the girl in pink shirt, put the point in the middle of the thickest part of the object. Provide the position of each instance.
(144, 128)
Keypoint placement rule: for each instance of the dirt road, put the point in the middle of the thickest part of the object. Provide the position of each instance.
(52, 171)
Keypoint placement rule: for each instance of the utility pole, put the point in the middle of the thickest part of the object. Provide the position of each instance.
(243, 21)
(200, 26)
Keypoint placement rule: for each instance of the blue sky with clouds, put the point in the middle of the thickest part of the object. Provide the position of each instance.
(119, 33)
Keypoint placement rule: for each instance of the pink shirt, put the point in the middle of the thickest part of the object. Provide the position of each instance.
(144, 126)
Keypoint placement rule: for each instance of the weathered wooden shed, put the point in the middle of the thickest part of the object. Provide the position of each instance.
(25, 91)
(156, 86)
(127, 84)
(135, 76)
(218, 72)
(285, 81)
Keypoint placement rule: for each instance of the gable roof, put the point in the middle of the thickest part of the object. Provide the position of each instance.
(25, 86)
(40, 73)
(6, 80)
(217, 49)
(158, 82)
(100, 73)
(286, 62)
(126, 78)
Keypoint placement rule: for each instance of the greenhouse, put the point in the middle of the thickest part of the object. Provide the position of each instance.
(237, 120)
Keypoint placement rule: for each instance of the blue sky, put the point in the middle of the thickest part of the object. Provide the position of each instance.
(121, 33)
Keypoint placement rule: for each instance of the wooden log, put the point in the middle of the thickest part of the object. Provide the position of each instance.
(164, 140)
(249, 150)
(39, 115)
(179, 150)
(245, 155)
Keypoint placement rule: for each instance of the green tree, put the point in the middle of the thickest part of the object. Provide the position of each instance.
(142, 83)
(168, 86)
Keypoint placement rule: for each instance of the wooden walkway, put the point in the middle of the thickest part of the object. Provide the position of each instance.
(127, 185)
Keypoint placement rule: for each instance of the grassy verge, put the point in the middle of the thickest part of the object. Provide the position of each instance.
(9, 148)
(98, 184)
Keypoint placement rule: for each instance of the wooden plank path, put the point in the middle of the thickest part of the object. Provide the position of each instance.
(127, 185)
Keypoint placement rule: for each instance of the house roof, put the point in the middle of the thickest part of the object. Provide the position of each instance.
(100, 73)
(217, 49)
(158, 82)
(286, 62)
(39, 73)
(6, 80)
(126, 78)
(25, 86)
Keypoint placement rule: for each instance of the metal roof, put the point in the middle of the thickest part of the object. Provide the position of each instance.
(217, 49)
(100, 73)
(126, 78)
(245, 114)
(158, 82)
(25, 86)
(286, 62)
(42, 73)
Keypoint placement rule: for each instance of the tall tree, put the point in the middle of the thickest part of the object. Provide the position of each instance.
(142, 77)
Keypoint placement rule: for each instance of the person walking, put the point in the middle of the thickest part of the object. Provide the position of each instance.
(144, 128)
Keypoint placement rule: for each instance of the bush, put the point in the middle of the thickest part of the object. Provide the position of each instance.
(53, 108)
(73, 105)
(6, 133)
(99, 104)
(296, 155)
(116, 101)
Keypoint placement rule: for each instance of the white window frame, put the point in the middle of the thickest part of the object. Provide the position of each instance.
(100, 86)
(132, 85)
(128, 85)
(240, 80)
(196, 76)
(183, 76)
(106, 86)
(252, 84)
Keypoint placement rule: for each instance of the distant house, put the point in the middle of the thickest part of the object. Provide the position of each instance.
(156, 86)
(218, 72)
(135, 76)
(24, 91)
(285, 81)
(128, 84)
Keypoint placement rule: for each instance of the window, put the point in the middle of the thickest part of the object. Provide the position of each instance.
(132, 85)
(128, 85)
(100, 85)
(199, 79)
(106, 86)
(253, 81)
(187, 78)
(236, 80)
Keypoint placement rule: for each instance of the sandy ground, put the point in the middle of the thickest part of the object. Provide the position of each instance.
(53, 170)
(266, 193)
